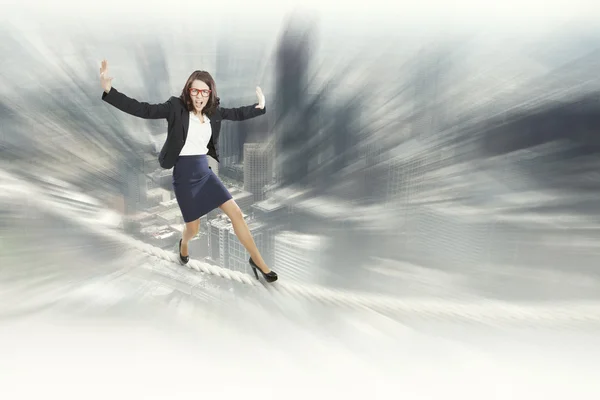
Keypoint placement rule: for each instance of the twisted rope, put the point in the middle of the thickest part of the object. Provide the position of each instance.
(492, 312)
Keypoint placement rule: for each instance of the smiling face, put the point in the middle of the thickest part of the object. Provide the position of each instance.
(200, 94)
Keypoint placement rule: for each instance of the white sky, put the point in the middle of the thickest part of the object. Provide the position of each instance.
(371, 16)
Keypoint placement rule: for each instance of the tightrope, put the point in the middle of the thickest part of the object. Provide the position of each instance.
(491, 312)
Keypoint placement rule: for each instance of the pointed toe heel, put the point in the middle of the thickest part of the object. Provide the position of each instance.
(270, 277)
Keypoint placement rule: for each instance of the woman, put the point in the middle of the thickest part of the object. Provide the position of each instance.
(194, 123)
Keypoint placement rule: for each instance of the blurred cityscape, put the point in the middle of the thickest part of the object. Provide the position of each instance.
(451, 168)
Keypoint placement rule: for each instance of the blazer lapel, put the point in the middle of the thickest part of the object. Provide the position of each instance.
(185, 118)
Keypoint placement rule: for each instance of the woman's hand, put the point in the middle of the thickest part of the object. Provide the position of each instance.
(261, 98)
(105, 81)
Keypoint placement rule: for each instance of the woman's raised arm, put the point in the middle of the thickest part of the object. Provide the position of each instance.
(245, 112)
(127, 104)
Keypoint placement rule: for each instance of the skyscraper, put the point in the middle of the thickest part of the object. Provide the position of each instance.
(300, 257)
(134, 184)
(344, 136)
(292, 124)
(152, 62)
(429, 82)
(237, 64)
(258, 169)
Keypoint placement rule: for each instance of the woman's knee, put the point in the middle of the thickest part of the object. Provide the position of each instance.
(193, 227)
(232, 210)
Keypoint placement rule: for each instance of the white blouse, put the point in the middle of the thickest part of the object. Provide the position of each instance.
(198, 136)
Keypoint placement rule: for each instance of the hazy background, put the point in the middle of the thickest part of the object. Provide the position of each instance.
(425, 177)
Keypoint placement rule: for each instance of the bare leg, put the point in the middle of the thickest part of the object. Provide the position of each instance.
(189, 231)
(232, 210)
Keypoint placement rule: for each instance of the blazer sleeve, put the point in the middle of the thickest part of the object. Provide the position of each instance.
(241, 113)
(137, 108)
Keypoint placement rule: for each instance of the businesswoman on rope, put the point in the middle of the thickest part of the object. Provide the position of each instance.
(194, 123)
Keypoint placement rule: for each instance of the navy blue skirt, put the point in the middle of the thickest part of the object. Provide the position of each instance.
(197, 189)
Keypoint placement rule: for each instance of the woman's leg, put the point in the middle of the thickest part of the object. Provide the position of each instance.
(232, 210)
(189, 231)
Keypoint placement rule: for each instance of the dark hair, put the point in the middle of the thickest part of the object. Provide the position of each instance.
(213, 99)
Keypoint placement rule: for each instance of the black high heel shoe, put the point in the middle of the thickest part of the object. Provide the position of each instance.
(183, 259)
(270, 277)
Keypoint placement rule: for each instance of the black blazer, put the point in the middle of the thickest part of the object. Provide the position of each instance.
(178, 118)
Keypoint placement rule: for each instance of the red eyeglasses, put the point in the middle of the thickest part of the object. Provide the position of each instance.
(202, 92)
